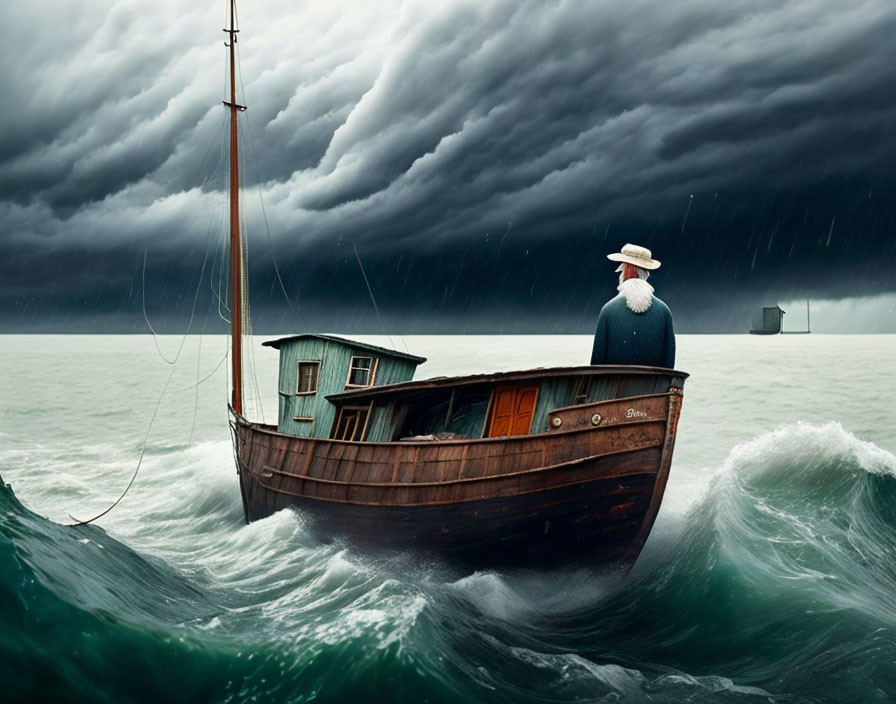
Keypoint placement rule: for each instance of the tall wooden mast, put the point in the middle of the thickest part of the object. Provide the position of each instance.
(236, 254)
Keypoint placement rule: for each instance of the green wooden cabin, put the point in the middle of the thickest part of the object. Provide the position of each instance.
(313, 367)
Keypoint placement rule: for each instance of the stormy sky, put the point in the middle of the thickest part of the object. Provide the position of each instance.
(481, 157)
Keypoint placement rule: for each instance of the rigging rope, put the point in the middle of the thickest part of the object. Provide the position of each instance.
(207, 239)
(370, 290)
(78, 522)
(208, 310)
(207, 376)
(146, 317)
(173, 364)
(264, 213)
(221, 284)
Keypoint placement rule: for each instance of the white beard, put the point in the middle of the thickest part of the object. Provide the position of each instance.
(638, 294)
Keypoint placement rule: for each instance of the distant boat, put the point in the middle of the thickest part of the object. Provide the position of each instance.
(772, 322)
(529, 467)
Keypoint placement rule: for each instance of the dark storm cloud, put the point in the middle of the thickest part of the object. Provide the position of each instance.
(483, 156)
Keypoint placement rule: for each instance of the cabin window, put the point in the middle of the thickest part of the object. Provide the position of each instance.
(351, 423)
(362, 371)
(307, 377)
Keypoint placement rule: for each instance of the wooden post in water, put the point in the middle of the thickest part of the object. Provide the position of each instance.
(236, 255)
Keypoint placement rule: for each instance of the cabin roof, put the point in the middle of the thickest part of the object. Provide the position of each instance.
(498, 377)
(348, 343)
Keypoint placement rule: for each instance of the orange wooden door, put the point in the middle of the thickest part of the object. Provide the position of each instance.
(524, 409)
(512, 410)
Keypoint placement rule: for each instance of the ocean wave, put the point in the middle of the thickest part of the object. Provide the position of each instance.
(778, 585)
(781, 569)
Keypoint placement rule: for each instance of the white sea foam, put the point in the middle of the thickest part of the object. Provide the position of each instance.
(570, 667)
(491, 593)
(618, 683)
(687, 684)
(519, 595)
(807, 445)
(379, 618)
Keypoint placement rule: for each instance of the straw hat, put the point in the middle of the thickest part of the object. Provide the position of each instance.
(633, 254)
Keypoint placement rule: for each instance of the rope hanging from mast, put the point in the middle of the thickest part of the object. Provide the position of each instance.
(239, 280)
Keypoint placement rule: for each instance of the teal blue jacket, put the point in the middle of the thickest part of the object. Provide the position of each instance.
(625, 337)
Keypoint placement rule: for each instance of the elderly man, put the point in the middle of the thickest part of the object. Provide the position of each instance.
(635, 327)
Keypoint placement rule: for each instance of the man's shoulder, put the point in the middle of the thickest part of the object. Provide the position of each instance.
(614, 304)
(661, 305)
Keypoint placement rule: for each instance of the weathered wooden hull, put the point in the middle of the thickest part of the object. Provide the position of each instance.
(587, 492)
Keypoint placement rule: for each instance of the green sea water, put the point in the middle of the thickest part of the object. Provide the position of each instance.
(769, 577)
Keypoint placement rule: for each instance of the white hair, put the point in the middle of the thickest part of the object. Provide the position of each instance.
(643, 274)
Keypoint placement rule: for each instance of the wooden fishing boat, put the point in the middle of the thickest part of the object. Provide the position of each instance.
(588, 486)
(532, 467)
